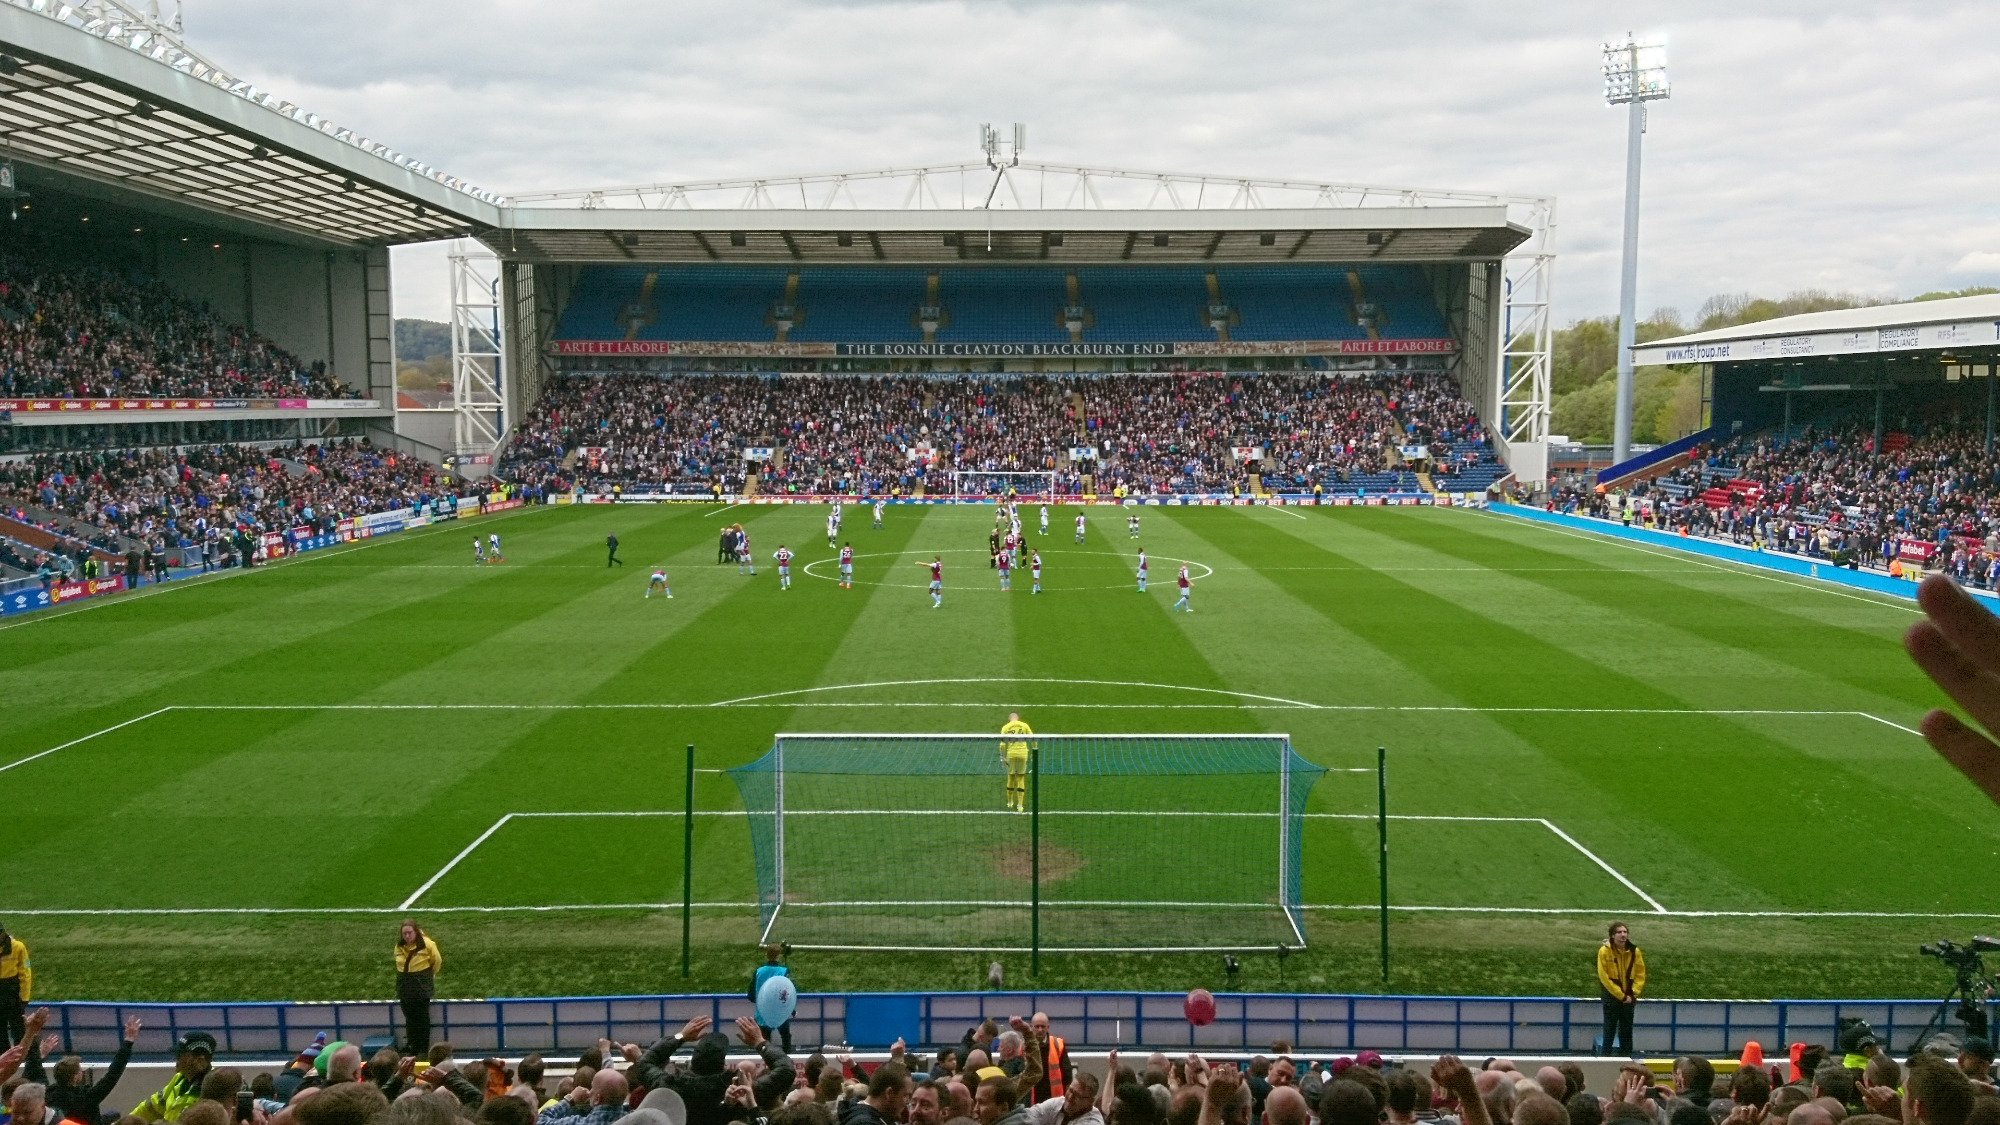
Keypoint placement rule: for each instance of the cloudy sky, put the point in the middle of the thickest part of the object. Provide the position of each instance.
(1836, 144)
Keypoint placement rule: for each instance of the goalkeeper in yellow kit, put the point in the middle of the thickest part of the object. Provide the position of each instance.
(1014, 749)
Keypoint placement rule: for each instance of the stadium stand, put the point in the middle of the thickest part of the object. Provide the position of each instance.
(1928, 495)
(1011, 304)
(142, 499)
(74, 330)
(1156, 433)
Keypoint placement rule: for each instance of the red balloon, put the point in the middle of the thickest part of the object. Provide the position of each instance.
(1200, 1007)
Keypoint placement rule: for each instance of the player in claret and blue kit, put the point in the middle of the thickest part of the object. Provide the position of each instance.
(783, 555)
(937, 579)
(847, 566)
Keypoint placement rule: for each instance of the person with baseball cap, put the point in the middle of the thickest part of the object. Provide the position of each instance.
(193, 1055)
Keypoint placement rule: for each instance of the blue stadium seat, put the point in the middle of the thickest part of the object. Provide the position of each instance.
(997, 304)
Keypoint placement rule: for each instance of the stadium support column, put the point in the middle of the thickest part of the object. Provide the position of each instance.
(480, 422)
(1382, 843)
(1992, 378)
(687, 869)
(1634, 74)
(1628, 286)
(1035, 861)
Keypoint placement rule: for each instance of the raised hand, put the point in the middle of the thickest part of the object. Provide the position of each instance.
(749, 1032)
(696, 1028)
(1958, 647)
(132, 1026)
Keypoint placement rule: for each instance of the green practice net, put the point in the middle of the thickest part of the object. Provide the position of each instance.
(1133, 842)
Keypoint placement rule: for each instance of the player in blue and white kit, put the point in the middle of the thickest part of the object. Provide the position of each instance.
(1045, 519)
(1079, 527)
(847, 567)
(745, 562)
(659, 582)
(878, 513)
(1005, 561)
(784, 556)
(478, 549)
(1035, 570)
(493, 548)
(833, 526)
(1187, 589)
(1132, 526)
(1142, 570)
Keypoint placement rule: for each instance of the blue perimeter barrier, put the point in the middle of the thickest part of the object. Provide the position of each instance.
(1315, 1025)
(1803, 566)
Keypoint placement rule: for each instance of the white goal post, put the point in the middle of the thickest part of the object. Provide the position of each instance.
(976, 482)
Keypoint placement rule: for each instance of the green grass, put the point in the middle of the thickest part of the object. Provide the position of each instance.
(306, 763)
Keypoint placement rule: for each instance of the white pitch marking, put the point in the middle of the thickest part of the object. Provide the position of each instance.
(773, 700)
(85, 738)
(309, 911)
(719, 511)
(446, 869)
(1887, 723)
(1011, 680)
(1610, 870)
(1149, 813)
(1283, 511)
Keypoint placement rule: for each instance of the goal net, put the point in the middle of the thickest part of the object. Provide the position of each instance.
(1131, 842)
(967, 482)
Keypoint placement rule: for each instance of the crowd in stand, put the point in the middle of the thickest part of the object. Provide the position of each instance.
(1019, 1075)
(1830, 493)
(69, 330)
(1152, 434)
(190, 498)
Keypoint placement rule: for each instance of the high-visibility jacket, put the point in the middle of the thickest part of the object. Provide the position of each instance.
(417, 958)
(173, 1100)
(1621, 971)
(1053, 1065)
(14, 964)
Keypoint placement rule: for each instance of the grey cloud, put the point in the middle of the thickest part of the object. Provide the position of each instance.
(1806, 143)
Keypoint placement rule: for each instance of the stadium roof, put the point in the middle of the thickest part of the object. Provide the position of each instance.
(1389, 234)
(95, 95)
(1909, 327)
(103, 101)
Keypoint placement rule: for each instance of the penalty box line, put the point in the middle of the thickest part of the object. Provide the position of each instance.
(1656, 906)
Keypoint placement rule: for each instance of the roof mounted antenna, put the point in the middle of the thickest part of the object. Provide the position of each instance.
(989, 141)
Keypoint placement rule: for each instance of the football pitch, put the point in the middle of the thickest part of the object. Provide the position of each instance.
(236, 787)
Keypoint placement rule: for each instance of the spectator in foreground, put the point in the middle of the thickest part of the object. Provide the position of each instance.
(1958, 646)
(193, 1056)
(68, 1094)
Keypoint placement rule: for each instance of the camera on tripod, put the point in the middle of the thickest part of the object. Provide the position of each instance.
(1973, 988)
(1962, 958)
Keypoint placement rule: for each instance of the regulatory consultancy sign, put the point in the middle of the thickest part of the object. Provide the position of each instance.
(1002, 350)
(1916, 337)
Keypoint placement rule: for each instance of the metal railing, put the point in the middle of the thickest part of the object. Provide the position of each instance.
(1313, 1024)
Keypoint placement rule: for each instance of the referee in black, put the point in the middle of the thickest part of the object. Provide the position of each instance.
(611, 545)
